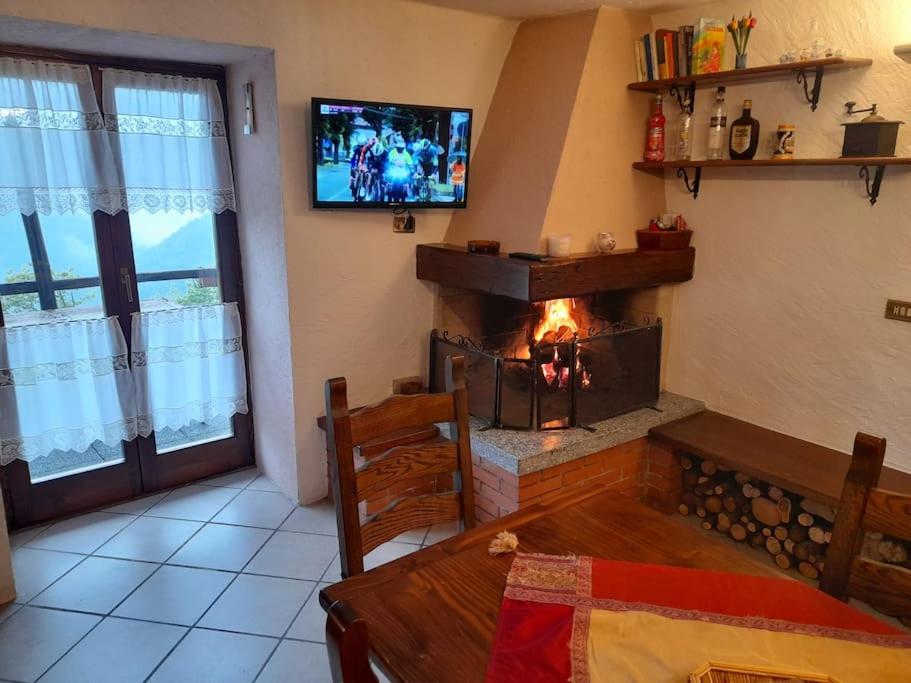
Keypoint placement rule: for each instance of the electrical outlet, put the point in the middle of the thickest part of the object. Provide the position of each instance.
(898, 310)
(400, 223)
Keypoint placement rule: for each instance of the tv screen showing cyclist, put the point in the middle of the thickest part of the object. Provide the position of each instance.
(372, 154)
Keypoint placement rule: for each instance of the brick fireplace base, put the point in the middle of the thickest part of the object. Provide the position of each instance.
(637, 469)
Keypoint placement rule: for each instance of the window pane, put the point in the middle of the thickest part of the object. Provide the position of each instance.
(66, 463)
(168, 245)
(62, 249)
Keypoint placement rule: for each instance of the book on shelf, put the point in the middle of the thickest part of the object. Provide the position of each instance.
(708, 46)
(665, 54)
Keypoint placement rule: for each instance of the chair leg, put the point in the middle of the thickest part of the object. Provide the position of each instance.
(346, 641)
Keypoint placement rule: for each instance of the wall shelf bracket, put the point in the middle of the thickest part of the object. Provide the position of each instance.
(872, 188)
(691, 187)
(685, 94)
(811, 95)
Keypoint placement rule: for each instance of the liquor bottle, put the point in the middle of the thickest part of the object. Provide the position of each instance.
(654, 140)
(744, 134)
(717, 127)
(684, 136)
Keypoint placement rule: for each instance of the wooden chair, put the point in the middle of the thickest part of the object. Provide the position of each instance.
(867, 508)
(345, 430)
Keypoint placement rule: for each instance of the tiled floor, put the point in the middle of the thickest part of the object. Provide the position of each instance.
(216, 581)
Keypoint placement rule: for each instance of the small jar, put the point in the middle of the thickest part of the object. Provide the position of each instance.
(605, 242)
(784, 141)
(559, 245)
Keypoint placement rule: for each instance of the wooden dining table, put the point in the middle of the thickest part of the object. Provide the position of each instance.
(431, 615)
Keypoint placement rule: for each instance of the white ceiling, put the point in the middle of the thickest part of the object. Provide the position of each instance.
(525, 9)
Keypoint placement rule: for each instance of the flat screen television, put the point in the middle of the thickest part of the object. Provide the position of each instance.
(378, 154)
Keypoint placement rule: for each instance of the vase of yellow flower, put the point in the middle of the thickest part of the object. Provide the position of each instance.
(740, 32)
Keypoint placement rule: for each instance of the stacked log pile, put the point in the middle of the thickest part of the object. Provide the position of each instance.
(795, 531)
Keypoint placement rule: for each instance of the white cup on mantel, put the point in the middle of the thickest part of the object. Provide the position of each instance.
(559, 245)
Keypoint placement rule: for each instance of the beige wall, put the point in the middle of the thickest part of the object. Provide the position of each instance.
(356, 308)
(555, 154)
(783, 323)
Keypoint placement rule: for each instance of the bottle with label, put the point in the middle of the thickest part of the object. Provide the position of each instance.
(744, 134)
(717, 127)
(654, 140)
(684, 135)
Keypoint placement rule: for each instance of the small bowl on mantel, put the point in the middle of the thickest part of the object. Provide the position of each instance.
(663, 239)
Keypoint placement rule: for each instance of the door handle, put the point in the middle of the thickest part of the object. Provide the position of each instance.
(126, 279)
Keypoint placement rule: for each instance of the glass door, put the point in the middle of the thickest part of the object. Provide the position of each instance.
(174, 261)
(79, 265)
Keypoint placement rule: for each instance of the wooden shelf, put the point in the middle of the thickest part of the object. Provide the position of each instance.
(684, 87)
(555, 278)
(872, 183)
(729, 163)
(756, 73)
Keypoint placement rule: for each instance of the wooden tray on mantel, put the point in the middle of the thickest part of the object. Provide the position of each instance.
(555, 278)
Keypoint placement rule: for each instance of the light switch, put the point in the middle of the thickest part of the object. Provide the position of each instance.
(898, 310)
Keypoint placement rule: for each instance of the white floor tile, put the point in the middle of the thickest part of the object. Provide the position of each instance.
(218, 546)
(117, 651)
(414, 536)
(152, 539)
(262, 483)
(311, 622)
(34, 570)
(97, 585)
(233, 480)
(33, 639)
(175, 595)
(136, 506)
(334, 572)
(7, 610)
(299, 662)
(83, 534)
(387, 553)
(294, 556)
(264, 509)
(260, 605)
(20, 538)
(442, 531)
(317, 518)
(215, 657)
(199, 503)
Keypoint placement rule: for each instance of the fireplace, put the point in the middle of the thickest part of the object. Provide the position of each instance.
(555, 364)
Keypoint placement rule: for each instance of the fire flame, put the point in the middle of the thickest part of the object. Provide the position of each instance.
(558, 314)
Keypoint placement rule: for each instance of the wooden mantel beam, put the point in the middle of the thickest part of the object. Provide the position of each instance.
(555, 278)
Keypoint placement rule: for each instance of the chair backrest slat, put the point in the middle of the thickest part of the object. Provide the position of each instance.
(382, 426)
(409, 513)
(405, 462)
(863, 508)
(847, 535)
(886, 587)
(888, 512)
(399, 412)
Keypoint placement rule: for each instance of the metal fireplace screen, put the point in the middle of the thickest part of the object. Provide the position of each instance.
(568, 384)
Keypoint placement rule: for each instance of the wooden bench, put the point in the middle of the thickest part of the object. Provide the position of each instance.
(804, 468)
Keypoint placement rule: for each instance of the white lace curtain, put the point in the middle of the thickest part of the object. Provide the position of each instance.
(188, 364)
(169, 134)
(160, 146)
(64, 385)
(55, 155)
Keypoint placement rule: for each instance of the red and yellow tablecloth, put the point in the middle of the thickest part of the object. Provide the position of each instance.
(586, 619)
